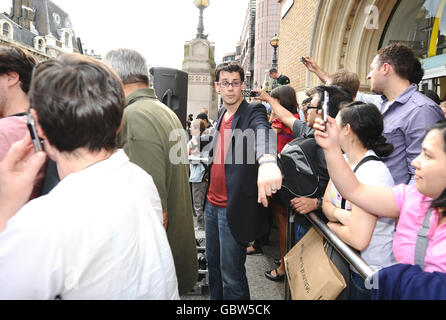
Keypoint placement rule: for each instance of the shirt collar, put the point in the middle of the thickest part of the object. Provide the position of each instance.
(138, 94)
(405, 96)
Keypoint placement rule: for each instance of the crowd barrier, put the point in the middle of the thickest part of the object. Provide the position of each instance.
(344, 250)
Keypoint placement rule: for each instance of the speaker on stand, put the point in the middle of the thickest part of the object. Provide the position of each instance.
(171, 87)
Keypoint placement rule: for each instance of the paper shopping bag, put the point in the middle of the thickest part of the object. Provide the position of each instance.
(311, 274)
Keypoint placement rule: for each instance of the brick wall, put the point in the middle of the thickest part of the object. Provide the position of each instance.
(295, 39)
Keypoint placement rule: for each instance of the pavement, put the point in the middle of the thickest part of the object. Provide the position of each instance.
(260, 287)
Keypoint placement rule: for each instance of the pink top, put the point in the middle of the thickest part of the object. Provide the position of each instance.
(13, 129)
(413, 207)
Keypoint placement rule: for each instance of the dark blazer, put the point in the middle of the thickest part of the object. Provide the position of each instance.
(251, 137)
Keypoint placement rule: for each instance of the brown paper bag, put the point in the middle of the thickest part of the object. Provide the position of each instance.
(311, 274)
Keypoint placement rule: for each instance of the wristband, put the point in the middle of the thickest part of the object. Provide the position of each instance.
(263, 160)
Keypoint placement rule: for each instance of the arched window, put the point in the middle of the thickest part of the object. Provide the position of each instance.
(67, 40)
(6, 32)
(420, 24)
(40, 45)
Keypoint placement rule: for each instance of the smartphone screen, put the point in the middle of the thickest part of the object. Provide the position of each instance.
(325, 107)
(33, 132)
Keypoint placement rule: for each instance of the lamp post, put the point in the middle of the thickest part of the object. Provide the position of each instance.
(248, 79)
(275, 44)
(201, 5)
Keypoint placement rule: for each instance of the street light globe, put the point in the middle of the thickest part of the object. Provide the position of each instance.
(274, 41)
(248, 74)
(201, 3)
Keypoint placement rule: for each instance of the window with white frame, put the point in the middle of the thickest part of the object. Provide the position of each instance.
(6, 29)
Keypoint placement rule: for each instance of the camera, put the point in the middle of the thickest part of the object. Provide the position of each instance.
(303, 60)
(254, 94)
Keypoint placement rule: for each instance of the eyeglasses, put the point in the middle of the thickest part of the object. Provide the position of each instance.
(308, 108)
(234, 84)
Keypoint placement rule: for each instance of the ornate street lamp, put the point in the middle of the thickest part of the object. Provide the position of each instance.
(275, 44)
(201, 4)
(248, 79)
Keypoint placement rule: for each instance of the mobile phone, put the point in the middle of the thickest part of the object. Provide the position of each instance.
(33, 132)
(254, 94)
(325, 107)
(303, 60)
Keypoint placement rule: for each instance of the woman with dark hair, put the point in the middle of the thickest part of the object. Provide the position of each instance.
(420, 208)
(360, 137)
(287, 98)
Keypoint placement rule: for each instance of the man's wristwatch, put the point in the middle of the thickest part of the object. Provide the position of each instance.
(319, 203)
(267, 158)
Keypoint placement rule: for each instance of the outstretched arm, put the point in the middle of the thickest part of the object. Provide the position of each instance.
(314, 67)
(283, 114)
(18, 171)
(378, 200)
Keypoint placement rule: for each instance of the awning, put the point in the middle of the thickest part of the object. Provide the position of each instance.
(434, 67)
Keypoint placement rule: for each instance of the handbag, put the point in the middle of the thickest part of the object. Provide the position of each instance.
(311, 274)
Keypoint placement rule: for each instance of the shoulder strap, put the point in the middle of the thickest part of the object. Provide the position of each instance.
(364, 160)
(422, 241)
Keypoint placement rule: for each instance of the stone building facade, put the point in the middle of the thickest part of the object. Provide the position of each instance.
(267, 25)
(39, 26)
(348, 33)
(199, 63)
(247, 40)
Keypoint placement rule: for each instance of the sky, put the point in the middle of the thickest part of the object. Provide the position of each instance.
(156, 28)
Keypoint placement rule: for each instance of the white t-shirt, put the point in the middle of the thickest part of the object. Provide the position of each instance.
(376, 99)
(97, 235)
(379, 252)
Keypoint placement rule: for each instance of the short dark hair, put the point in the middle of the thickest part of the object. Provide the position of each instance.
(346, 80)
(16, 59)
(402, 58)
(287, 98)
(79, 102)
(273, 70)
(306, 101)
(230, 67)
(367, 123)
(417, 72)
(432, 95)
(202, 116)
(339, 97)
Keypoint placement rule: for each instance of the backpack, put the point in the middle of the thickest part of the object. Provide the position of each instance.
(304, 171)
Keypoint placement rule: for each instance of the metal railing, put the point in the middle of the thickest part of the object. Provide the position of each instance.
(344, 250)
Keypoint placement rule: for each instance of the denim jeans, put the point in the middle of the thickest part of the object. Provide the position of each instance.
(358, 290)
(299, 232)
(225, 256)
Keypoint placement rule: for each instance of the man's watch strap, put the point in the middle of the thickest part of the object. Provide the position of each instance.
(319, 203)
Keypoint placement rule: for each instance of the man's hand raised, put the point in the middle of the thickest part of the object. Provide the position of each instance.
(18, 171)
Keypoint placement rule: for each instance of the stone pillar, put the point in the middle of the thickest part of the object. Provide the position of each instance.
(199, 63)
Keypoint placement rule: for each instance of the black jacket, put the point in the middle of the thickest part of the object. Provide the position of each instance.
(251, 137)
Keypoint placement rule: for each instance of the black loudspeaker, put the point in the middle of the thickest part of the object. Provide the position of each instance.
(171, 89)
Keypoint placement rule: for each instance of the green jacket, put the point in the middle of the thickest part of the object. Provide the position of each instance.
(144, 136)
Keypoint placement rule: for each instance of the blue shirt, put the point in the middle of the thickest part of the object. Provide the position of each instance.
(405, 122)
(407, 282)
